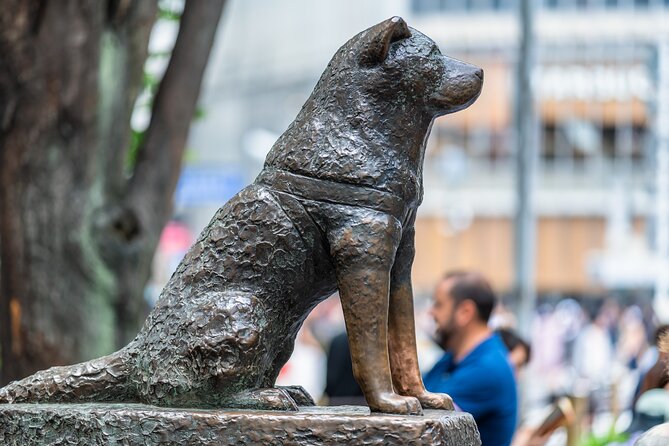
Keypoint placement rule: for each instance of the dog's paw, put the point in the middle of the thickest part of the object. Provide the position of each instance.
(396, 404)
(275, 399)
(261, 399)
(431, 400)
(299, 395)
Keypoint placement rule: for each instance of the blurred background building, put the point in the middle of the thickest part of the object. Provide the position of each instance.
(594, 82)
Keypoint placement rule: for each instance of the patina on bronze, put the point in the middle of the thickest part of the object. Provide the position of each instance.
(333, 209)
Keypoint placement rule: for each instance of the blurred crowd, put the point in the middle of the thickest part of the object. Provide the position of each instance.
(589, 368)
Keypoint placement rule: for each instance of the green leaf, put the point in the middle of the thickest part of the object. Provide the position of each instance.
(136, 139)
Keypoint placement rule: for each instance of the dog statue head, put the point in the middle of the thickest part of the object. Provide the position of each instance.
(391, 58)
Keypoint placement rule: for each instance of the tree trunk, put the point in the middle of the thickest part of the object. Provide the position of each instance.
(76, 236)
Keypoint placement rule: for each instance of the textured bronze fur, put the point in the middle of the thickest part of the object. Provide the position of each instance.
(333, 209)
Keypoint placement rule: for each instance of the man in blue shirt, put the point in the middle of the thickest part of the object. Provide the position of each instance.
(475, 370)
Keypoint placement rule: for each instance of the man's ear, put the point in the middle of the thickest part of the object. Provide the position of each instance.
(378, 39)
(467, 311)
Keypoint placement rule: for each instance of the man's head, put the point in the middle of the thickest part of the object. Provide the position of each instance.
(463, 301)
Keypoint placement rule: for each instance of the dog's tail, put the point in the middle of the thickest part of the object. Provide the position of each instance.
(103, 379)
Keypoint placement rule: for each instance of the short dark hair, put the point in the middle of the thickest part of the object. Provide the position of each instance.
(469, 285)
(511, 340)
(660, 332)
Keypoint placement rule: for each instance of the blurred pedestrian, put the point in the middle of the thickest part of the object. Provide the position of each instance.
(593, 357)
(475, 370)
(651, 400)
(341, 387)
(656, 376)
(520, 351)
(651, 406)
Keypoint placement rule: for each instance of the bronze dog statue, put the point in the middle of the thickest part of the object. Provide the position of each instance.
(333, 209)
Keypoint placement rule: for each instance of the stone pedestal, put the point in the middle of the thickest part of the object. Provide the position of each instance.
(134, 424)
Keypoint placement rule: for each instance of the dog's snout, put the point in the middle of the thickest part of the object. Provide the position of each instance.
(479, 73)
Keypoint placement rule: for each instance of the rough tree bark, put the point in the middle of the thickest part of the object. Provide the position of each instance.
(76, 234)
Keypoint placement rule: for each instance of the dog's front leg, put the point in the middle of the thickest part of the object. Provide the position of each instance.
(402, 332)
(363, 249)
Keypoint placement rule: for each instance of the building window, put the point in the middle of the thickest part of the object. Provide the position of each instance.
(582, 4)
(432, 6)
(438, 6)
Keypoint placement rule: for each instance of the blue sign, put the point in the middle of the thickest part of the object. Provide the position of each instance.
(202, 186)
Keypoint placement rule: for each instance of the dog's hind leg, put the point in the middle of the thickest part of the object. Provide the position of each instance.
(402, 331)
(103, 379)
(363, 247)
(297, 393)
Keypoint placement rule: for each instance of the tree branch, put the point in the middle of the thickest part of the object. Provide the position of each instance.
(159, 161)
(124, 49)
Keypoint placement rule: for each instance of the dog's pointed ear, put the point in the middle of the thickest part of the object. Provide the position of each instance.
(378, 39)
